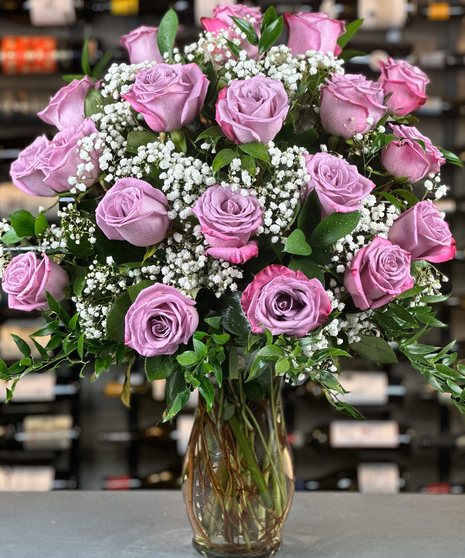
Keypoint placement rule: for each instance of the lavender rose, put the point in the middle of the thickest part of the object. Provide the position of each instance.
(253, 110)
(134, 211)
(339, 185)
(407, 158)
(313, 31)
(228, 220)
(285, 301)
(26, 279)
(422, 231)
(378, 273)
(221, 21)
(407, 84)
(160, 319)
(61, 158)
(141, 44)
(26, 172)
(66, 108)
(169, 96)
(351, 104)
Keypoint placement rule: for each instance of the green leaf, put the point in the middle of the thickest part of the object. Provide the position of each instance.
(270, 35)
(414, 291)
(433, 299)
(221, 339)
(282, 366)
(310, 214)
(347, 55)
(310, 269)
(95, 102)
(137, 139)
(223, 158)
(80, 346)
(207, 391)
(334, 227)
(10, 237)
(188, 358)
(214, 322)
(47, 329)
(200, 348)
(40, 225)
(213, 132)
(296, 244)
(22, 345)
(401, 313)
(410, 198)
(247, 28)
(270, 352)
(167, 32)
(349, 410)
(306, 138)
(135, 290)
(258, 367)
(179, 140)
(382, 140)
(53, 304)
(374, 348)
(102, 362)
(126, 393)
(160, 367)
(23, 223)
(269, 16)
(351, 29)
(236, 50)
(234, 320)
(98, 68)
(257, 150)
(233, 364)
(179, 401)
(451, 157)
(116, 318)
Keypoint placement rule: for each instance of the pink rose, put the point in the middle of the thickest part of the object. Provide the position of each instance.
(160, 319)
(221, 21)
(66, 108)
(134, 211)
(407, 158)
(347, 102)
(228, 220)
(253, 110)
(313, 31)
(285, 301)
(169, 96)
(26, 279)
(61, 159)
(422, 231)
(339, 185)
(141, 43)
(406, 83)
(378, 273)
(27, 173)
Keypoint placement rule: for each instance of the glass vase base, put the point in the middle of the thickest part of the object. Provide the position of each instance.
(234, 551)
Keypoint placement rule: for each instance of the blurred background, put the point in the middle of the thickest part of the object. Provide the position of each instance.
(61, 432)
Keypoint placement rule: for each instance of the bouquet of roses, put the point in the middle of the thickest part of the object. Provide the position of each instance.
(233, 204)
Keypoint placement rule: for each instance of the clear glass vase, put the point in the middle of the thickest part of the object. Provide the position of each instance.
(238, 478)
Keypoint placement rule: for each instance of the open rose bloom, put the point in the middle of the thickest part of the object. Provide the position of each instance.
(237, 210)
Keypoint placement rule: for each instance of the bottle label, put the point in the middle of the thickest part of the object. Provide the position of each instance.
(378, 478)
(12, 199)
(52, 12)
(124, 7)
(33, 387)
(382, 15)
(364, 434)
(51, 432)
(439, 11)
(28, 55)
(26, 479)
(119, 483)
(365, 388)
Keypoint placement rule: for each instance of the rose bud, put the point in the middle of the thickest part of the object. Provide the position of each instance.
(160, 319)
(253, 110)
(134, 211)
(142, 46)
(351, 104)
(27, 172)
(285, 301)
(26, 279)
(422, 231)
(407, 158)
(228, 220)
(378, 273)
(313, 31)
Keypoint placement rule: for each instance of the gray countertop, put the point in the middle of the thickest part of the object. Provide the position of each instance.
(153, 524)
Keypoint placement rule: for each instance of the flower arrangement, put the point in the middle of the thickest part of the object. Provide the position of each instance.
(237, 202)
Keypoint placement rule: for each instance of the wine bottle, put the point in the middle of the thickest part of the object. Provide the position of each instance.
(52, 13)
(446, 441)
(374, 478)
(34, 479)
(355, 435)
(442, 488)
(12, 199)
(34, 54)
(39, 432)
(442, 11)
(39, 387)
(169, 478)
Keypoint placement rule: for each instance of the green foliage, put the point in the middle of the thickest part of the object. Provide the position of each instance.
(270, 33)
(160, 367)
(223, 158)
(167, 32)
(351, 29)
(246, 28)
(137, 139)
(374, 348)
(256, 150)
(296, 244)
(116, 317)
(23, 223)
(334, 227)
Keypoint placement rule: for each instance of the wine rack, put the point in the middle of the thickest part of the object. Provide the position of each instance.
(106, 445)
